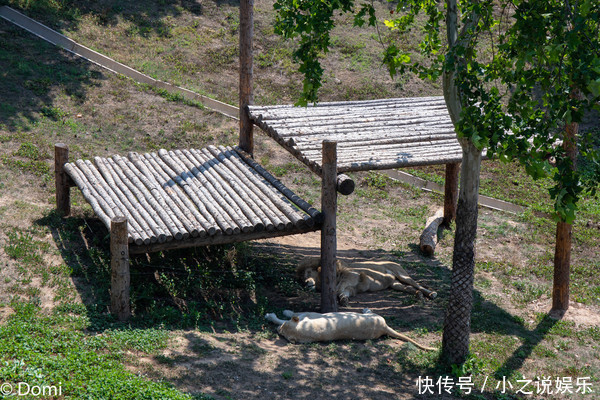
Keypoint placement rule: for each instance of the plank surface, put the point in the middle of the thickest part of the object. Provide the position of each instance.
(174, 199)
(370, 134)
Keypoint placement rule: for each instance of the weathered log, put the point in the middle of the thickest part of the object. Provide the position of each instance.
(255, 207)
(146, 199)
(84, 186)
(199, 178)
(138, 198)
(170, 199)
(344, 184)
(147, 235)
(428, 239)
(120, 278)
(199, 196)
(202, 216)
(451, 192)
(246, 28)
(61, 179)
(243, 172)
(237, 207)
(302, 204)
(328, 231)
(107, 191)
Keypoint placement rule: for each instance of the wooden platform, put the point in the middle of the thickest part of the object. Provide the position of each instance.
(373, 134)
(184, 198)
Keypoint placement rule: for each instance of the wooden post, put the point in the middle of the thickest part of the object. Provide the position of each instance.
(246, 54)
(345, 185)
(451, 192)
(328, 230)
(61, 179)
(562, 251)
(562, 262)
(119, 260)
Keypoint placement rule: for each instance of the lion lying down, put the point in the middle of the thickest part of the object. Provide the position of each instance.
(314, 327)
(359, 277)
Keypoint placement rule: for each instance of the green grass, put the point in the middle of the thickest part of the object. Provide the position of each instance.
(49, 97)
(53, 351)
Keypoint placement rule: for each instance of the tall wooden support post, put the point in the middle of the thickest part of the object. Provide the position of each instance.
(119, 260)
(451, 192)
(328, 231)
(562, 252)
(61, 179)
(246, 54)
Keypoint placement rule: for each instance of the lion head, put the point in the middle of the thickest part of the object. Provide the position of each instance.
(309, 272)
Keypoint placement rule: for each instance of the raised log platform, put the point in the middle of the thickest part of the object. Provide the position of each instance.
(177, 199)
(371, 134)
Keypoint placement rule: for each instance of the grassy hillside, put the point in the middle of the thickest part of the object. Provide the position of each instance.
(197, 330)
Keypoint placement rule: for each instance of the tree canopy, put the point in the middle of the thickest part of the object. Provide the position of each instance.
(523, 70)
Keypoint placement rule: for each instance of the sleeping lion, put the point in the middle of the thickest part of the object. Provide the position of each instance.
(310, 327)
(359, 277)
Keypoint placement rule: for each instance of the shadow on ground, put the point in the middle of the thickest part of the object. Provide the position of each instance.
(229, 351)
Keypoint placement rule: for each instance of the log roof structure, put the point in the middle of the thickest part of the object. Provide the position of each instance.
(186, 198)
(371, 135)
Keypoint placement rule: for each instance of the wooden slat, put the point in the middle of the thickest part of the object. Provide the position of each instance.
(145, 209)
(371, 134)
(192, 197)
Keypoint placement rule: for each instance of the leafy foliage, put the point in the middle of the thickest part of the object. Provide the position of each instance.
(543, 72)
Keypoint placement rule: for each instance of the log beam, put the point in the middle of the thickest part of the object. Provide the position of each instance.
(451, 192)
(62, 180)
(328, 231)
(428, 239)
(119, 260)
(246, 96)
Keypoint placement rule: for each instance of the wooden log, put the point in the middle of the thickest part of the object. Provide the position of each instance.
(120, 278)
(344, 184)
(91, 198)
(244, 172)
(355, 110)
(397, 102)
(329, 122)
(398, 163)
(154, 232)
(235, 206)
(203, 217)
(428, 239)
(328, 231)
(562, 264)
(195, 189)
(302, 204)
(157, 226)
(246, 54)
(374, 138)
(367, 150)
(201, 181)
(276, 206)
(147, 200)
(562, 251)
(254, 207)
(109, 196)
(61, 179)
(170, 197)
(219, 239)
(142, 227)
(451, 192)
(156, 197)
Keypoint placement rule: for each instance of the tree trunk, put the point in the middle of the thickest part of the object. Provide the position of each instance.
(457, 324)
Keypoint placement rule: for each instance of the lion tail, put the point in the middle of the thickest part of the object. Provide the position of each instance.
(398, 335)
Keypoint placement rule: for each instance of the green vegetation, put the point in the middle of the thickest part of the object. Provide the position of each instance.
(198, 313)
